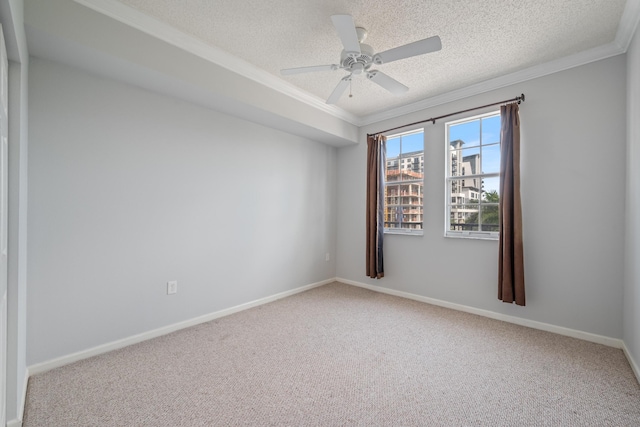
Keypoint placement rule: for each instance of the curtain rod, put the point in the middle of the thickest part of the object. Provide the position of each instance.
(517, 99)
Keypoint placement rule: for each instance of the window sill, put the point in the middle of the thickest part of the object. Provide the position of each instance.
(404, 231)
(471, 235)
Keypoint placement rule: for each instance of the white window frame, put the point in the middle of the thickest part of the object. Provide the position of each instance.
(482, 235)
(408, 231)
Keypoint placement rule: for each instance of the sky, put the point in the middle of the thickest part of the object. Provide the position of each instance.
(413, 142)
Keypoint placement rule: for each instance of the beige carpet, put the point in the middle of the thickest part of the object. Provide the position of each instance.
(340, 355)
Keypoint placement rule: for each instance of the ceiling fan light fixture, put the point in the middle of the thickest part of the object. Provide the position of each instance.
(357, 68)
(362, 34)
(357, 58)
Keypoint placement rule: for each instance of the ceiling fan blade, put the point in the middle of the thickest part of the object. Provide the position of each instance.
(432, 44)
(346, 29)
(392, 85)
(300, 70)
(339, 90)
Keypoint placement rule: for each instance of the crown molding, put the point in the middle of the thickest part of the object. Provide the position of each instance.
(561, 64)
(155, 28)
(628, 24)
(12, 20)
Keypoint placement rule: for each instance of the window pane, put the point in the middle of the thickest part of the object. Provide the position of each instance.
(491, 130)
(393, 217)
(465, 190)
(489, 218)
(491, 188)
(392, 194)
(412, 217)
(455, 158)
(491, 159)
(412, 166)
(392, 171)
(413, 143)
(392, 206)
(470, 163)
(393, 160)
(468, 132)
(393, 148)
(464, 217)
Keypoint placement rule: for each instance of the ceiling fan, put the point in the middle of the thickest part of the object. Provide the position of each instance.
(357, 58)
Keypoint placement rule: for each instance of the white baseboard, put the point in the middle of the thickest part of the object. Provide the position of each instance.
(599, 339)
(632, 362)
(114, 345)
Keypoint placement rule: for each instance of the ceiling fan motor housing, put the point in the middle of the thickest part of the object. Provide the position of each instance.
(357, 63)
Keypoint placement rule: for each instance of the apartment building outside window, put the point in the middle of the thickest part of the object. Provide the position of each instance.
(404, 182)
(473, 177)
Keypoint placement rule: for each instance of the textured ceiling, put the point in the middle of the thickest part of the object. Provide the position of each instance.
(481, 39)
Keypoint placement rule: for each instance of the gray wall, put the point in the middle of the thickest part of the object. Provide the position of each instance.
(632, 253)
(129, 189)
(573, 190)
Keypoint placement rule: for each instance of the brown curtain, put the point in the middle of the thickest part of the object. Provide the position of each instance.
(376, 153)
(511, 262)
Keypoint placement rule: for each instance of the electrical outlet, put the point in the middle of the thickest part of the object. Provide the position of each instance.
(326, 256)
(172, 287)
